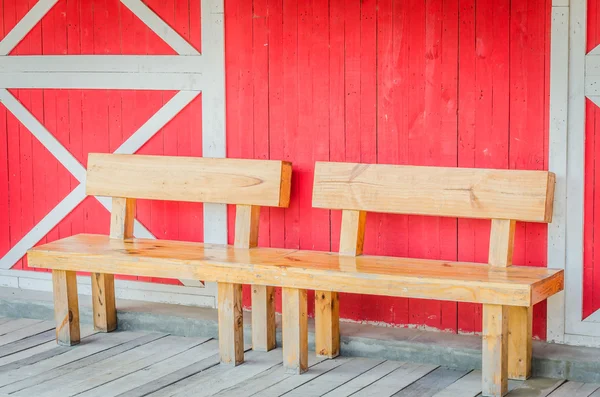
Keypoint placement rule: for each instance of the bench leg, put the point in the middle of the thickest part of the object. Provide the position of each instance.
(327, 324)
(231, 323)
(103, 302)
(295, 330)
(520, 320)
(66, 307)
(263, 318)
(494, 363)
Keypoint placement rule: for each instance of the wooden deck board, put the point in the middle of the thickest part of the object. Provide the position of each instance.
(576, 389)
(136, 364)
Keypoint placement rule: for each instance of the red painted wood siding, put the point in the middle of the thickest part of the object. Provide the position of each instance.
(591, 258)
(435, 82)
(92, 120)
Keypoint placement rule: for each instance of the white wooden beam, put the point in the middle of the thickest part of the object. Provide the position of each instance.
(160, 27)
(213, 104)
(24, 26)
(104, 80)
(575, 167)
(102, 64)
(559, 105)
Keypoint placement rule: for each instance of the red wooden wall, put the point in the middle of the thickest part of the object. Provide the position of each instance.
(430, 82)
(436, 82)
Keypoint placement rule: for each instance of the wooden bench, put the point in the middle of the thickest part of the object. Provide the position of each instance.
(507, 293)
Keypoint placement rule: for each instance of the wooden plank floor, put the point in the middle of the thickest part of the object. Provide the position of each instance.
(135, 364)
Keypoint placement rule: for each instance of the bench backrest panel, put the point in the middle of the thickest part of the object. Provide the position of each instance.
(437, 191)
(191, 179)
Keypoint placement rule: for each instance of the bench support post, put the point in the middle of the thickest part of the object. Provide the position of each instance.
(327, 306)
(263, 318)
(103, 302)
(66, 307)
(520, 320)
(327, 324)
(494, 363)
(231, 323)
(247, 219)
(295, 330)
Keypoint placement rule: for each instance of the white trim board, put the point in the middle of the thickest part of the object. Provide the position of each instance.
(124, 289)
(214, 142)
(104, 80)
(559, 103)
(142, 64)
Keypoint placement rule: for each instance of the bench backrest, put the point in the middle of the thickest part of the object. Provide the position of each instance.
(247, 183)
(505, 196)
(191, 179)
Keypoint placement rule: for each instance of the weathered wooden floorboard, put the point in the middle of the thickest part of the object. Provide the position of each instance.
(97, 347)
(217, 378)
(27, 343)
(292, 382)
(5, 320)
(155, 371)
(335, 378)
(365, 379)
(536, 387)
(16, 324)
(173, 378)
(39, 352)
(432, 383)
(576, 389)
(267, 379)
(467, 386)
(396, 380)
(101, 372)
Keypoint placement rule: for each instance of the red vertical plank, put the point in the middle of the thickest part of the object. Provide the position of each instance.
(352, 80)
(232, 69)
(337, 94)
(590, 209)
(260, 88)
(368, 98)
(305, 138)
(290, 127)
(276, 108)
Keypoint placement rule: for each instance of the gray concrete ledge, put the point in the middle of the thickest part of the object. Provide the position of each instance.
(580, 364)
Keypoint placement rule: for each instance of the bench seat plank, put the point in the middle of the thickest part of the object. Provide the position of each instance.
(403, 277)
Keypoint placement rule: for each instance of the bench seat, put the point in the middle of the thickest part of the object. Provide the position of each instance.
(380, 275)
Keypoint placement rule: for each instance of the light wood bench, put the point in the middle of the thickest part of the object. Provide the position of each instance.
(248, 184)
(507, 293)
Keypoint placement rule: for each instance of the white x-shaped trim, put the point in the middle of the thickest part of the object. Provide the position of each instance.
(151, 72)
(73, 199)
